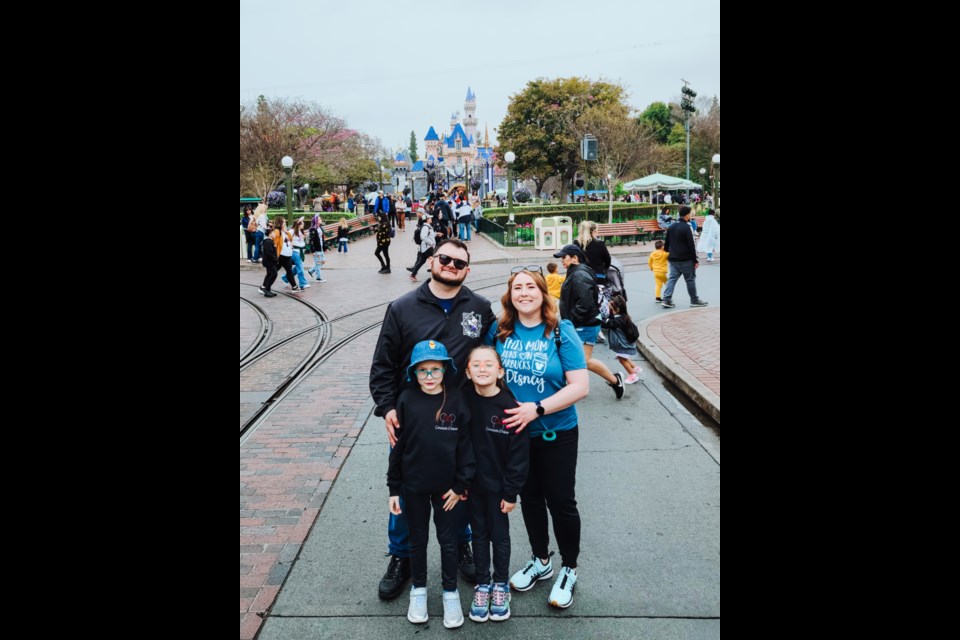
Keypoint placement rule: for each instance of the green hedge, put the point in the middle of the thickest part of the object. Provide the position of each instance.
(598, 212)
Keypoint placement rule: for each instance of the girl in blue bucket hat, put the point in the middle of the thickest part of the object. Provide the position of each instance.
(432, 465)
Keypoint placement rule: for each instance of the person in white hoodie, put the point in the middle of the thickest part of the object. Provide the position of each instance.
(709, 236)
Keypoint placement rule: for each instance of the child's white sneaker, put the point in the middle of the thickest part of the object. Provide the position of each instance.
(417, 611)
(452, 611)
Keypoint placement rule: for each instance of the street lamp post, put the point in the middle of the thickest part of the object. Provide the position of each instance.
(510, 157)
(702, 173)
(287, 164)
(716, 170)
(380, 172)
(610, 196)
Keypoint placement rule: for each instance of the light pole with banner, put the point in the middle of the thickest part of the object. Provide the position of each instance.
(702, 174)
(287, 164)
(510, 157)
(716, 171)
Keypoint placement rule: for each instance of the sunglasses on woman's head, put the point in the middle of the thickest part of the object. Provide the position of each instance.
(530, 267)
(446, 260)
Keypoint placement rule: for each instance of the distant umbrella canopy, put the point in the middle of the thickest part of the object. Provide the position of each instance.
(658, 182)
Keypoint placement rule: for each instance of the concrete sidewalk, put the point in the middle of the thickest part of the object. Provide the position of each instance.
(648, 485)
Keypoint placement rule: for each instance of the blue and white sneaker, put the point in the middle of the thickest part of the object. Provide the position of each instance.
(532, 572)
(500, 602)
(561, 595)
(480, 609)
(417, 611)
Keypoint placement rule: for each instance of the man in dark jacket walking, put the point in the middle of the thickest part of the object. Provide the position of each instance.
(578, 304)
(682, 260)
(441, 309)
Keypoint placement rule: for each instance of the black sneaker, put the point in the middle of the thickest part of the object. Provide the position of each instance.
(467, 568)
(410, 269)
(667, 304)
(699, 303)
(387, 270)
(618, 386)
(269, 294)
(659, 300)
(398, 572)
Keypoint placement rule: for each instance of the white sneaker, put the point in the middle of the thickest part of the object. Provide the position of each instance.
(532, 572)
(561, 595)
(417, 611)
(306, 286)
(452, 611)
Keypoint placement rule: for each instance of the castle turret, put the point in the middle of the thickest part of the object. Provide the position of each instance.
(470, 118)
(431, 145)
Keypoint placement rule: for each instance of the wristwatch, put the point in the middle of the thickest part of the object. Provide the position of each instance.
(540, 409)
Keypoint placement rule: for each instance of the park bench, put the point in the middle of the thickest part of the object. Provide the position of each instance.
(623, 230)
(649, 230)
(358, 226)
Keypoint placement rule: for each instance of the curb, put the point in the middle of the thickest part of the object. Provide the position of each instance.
(702, 396)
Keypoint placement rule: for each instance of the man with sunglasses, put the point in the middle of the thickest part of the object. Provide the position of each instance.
(440, 309)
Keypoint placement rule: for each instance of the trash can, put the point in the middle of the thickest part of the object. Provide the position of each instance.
(545, 233)
(564, 230)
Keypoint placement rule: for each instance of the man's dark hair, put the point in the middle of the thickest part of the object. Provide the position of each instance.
(457, 242)
(684, 210)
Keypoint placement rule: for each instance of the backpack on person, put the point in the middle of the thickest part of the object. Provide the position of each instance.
(268, 249)
(416, 235)
(316, 240)
(631, 332)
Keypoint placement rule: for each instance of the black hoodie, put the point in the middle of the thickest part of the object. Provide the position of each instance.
(418, 316)
(434, 453)
(503, 455)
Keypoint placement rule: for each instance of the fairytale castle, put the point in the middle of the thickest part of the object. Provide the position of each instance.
(457, 157)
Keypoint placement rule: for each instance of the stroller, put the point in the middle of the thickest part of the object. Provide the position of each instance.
(612, 286)
(615, 283)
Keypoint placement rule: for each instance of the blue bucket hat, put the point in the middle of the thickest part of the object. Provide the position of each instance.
(429, 350)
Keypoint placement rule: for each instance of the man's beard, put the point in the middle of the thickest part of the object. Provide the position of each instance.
(442, 279)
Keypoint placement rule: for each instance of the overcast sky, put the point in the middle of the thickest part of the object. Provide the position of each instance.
(389, 68)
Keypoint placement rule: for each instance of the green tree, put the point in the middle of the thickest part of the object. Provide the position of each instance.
(658, 119)
(678, 135)
(704, 137)
(623, 144)
(413, 148)
(538, 127)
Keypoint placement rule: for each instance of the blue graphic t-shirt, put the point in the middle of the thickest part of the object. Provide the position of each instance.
(535, 369)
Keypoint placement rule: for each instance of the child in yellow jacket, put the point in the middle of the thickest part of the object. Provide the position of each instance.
(554, 280)
(658, 264)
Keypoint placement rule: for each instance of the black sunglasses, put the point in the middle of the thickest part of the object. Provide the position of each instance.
(446, 260)
(530, 267)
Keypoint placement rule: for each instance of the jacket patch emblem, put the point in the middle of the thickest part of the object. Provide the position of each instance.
(471, 324)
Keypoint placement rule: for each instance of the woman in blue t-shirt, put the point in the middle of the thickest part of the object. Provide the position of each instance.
(546, 371)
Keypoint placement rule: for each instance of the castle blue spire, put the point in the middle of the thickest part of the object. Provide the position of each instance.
(470, 95)
(432, 135)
